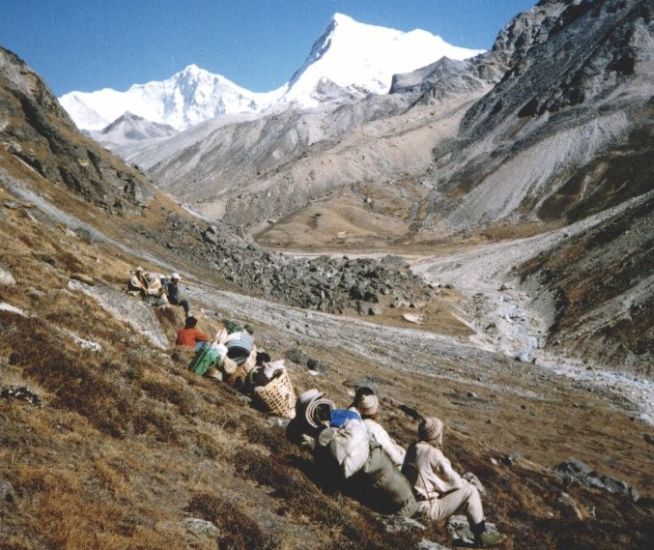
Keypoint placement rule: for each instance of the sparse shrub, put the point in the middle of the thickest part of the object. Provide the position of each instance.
(162, 424)
(171, 393)
(207, 446)
(238, 530)
(272, 438)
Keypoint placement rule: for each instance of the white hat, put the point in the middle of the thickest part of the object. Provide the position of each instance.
(174, 276)
(368, 405)
(138, 269)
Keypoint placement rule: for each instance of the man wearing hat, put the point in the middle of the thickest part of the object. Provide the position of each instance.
(172, 291)
(441, 491)
(367, 404)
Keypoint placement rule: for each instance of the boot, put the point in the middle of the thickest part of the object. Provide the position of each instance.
(485, 538)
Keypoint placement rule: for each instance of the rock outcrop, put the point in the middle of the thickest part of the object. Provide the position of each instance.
(40, 133)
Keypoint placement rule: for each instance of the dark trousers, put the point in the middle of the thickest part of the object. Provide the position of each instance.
(183, 304)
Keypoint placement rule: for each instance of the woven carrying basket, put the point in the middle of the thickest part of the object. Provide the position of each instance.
(278, 395)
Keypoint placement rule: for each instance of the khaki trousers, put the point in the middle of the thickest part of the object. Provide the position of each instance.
(466, 499)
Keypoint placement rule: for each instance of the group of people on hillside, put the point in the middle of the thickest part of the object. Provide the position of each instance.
(157, 289)
(355, 446)
(349, 444)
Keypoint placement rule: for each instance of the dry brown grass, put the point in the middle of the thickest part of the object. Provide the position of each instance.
(238, 530)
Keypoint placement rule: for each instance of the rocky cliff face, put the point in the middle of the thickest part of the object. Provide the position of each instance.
(40, 133)
(578, 88)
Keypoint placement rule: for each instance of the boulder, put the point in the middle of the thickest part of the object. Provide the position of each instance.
(201, 527)
(573, 470)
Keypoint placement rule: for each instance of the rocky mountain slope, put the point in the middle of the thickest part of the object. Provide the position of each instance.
(108, 441)
(36, 130)
(131, 128)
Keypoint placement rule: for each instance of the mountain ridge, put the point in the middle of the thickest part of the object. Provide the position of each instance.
(194, 95)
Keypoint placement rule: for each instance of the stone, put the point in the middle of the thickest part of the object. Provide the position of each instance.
(425, 544)
(210, 237)
(573, 470)
(21, 394)
(6, 278)
(278, 421)
(7, 493)
(413, 318)
(649, 439)
(201, 527)
(459, 529)
(296, 356)
(525, 356)
(375, 309)
(400, 524)
(35, 293)
(570, 506)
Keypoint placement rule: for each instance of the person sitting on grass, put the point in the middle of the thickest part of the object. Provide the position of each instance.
(172, 291)
(367, 404)
(138, 283)
(190, 336)
(440, 491)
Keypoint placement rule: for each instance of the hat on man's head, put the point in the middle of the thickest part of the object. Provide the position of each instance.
(174, 277)
(431, 430)
(139, 269)
(368, 404)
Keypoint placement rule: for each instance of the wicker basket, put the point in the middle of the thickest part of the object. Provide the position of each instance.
(278, 395)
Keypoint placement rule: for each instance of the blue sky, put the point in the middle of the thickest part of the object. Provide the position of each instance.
(92, 44)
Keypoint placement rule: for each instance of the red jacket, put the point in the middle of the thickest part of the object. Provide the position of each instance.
(190, 336)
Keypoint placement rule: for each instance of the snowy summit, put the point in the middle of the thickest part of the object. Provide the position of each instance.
(359, 59)
(349, 61)
(187, 98)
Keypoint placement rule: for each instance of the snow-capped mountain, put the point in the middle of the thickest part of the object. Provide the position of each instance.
(349, 61)
(358, 59)
(187, 98)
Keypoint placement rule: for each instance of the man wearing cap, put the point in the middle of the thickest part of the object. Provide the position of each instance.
(367, 404)
(172, 291)
(439, 489)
